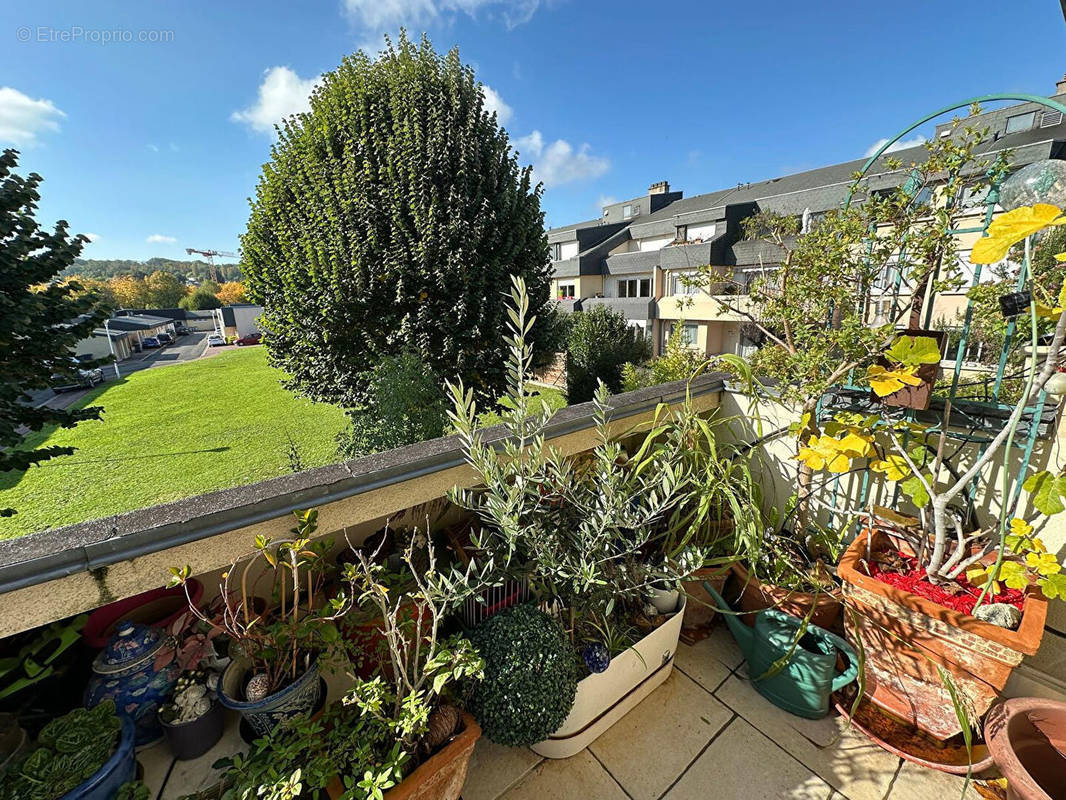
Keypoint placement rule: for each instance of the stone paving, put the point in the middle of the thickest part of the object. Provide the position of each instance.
(705, 734)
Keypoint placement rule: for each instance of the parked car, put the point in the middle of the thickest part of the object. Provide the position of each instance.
(164, 339)
(251, 338)
(183, 330)
(78, 379)
(215, 340)
(150, 342)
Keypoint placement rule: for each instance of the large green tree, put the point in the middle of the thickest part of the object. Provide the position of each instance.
(41, 318)
(389, 220)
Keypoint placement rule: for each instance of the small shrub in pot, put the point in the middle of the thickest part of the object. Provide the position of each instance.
(530, 676)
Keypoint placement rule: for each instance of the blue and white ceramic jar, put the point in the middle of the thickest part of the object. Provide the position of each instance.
(134, 672)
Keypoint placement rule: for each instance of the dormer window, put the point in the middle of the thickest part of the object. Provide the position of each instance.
(627, 212)
(557, 252)
(681, 234)
(1021, 122)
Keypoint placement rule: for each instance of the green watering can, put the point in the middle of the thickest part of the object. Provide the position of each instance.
(803, 686)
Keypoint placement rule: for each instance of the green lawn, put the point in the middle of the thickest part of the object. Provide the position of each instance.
(553, 397)
(168, 433)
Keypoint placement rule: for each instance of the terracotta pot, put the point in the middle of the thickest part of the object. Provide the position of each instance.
(441, 777)
(906, 637)
(756, 596)
(921, 396)
(700, 609)
(366, 634)
(1027, 738)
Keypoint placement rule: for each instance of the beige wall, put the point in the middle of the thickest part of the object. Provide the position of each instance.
(584, 285)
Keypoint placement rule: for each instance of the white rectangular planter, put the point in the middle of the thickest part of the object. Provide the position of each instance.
(604, 698)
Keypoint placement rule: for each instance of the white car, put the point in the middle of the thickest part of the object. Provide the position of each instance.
(215, 340)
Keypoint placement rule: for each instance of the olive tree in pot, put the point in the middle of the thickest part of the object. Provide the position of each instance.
(280, 619)
(586, 532)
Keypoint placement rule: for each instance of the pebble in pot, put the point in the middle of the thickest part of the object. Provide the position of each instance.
(1002, 614)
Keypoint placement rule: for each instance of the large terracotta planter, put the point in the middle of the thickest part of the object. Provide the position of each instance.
(441, 777)
(906, 637)
(603, 698)
(1027, 738)
(756, 596)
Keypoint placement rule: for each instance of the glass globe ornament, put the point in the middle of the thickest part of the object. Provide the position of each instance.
(1040, 182)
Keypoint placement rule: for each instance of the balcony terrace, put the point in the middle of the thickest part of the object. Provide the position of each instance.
(704, 728)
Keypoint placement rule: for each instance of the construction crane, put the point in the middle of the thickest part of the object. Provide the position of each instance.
(210, 256)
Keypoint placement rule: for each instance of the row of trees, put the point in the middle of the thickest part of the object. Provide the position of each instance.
(160, 289)
(102, 269)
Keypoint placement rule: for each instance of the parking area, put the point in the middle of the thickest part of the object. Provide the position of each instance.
(186, 348)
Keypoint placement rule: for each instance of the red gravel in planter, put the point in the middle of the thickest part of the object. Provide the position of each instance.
(913, 580)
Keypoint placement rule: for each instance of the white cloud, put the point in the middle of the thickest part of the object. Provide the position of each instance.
(379, 16)
(153, 147)
(902, 144)
(495, 103)
(23, 119)
(558, 163)
(281, 94)
(158, 238)
(605, 200)
(92, 237)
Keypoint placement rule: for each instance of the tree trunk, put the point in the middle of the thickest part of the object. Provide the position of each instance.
(804, 474)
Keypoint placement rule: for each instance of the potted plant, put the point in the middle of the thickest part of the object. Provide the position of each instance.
(784, 576)
(399, 735)
(906, 374)
(276, 675)
(587, 533)
(937, 597)
(86, 754)
(193, 719)
(718, 519)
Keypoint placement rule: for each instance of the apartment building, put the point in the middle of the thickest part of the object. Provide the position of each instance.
(635, 258)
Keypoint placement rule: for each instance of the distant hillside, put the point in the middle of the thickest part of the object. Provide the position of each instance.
(102, 269)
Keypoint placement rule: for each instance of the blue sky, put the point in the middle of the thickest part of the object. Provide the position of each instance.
(154, 146)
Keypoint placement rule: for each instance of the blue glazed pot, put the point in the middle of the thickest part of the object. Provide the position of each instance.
(298, 698)
(126, 672)
(117, 770)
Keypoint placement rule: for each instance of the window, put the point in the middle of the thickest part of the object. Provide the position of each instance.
(746, 345)
(634, 287)
(689, 334)
(684, 283)
(1021, 122)
(567, 291)
(557, 252)
(682, 233)
(627, 212)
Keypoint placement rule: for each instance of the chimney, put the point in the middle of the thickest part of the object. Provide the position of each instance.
(662, 187)
(1060, 87)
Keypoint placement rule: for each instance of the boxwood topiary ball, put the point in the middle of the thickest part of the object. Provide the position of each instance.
(530, 676)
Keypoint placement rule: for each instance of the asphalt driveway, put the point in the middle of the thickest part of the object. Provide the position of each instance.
(186, 348)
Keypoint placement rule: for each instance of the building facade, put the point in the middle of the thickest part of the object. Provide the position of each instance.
(638, 256)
